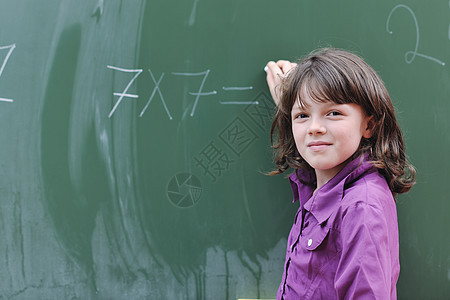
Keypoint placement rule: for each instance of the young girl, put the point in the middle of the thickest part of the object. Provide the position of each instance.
(335, 127)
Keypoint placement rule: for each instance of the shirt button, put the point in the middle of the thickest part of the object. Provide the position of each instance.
(309, 242)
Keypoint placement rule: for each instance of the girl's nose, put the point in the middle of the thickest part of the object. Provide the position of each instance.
(316, 127)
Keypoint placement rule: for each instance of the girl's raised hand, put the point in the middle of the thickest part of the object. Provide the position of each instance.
(275, 72)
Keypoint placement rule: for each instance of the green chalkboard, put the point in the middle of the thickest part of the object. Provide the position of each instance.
(135, 138)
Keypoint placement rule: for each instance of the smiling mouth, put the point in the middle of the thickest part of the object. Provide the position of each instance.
(318, 146)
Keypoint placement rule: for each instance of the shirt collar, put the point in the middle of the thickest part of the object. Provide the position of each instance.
(323, 202)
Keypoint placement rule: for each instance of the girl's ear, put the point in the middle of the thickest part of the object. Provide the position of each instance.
(370, 124)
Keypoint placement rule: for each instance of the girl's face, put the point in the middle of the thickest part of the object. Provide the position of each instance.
(328, 134)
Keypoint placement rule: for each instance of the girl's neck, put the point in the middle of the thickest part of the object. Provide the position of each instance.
(323, 176)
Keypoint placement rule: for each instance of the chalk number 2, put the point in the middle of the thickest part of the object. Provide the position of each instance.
(411, 55)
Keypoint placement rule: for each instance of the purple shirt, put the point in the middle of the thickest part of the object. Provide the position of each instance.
(344, 241)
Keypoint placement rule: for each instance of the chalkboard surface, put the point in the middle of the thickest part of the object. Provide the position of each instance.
(135, 138)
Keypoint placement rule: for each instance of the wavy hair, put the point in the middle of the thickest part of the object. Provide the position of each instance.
(342, 77)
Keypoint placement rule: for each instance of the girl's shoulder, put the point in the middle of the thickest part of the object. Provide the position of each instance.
(367, 202)
(370, 189)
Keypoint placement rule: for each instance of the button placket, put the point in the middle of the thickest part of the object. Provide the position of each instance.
(299, 225)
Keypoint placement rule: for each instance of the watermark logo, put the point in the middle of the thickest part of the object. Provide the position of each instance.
(184, 190)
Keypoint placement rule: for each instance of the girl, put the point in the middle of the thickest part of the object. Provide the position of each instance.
(335, 127)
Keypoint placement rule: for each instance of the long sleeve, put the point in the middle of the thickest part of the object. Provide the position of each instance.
(365, 268)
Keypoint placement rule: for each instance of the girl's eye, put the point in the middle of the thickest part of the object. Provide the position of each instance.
(334, 113)
(301, 116)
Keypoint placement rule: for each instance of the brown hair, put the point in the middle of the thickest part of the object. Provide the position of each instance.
(343, 77)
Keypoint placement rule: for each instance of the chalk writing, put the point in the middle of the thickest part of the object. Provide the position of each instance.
(156, 89)
(193, 13)
(240, 102)
(98, 10)
(411, 55)
(124, 93)
(11, 49)
(237, 88)
(200, 90)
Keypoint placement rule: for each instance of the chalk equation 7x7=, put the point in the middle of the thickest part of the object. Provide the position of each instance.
(197, 95)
